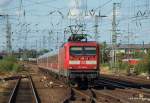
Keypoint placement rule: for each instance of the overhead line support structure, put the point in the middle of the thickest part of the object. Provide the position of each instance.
(114, 37)
(97, 17)
(8, 34)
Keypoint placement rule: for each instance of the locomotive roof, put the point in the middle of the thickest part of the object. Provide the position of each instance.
(77, 42)
(80, 42)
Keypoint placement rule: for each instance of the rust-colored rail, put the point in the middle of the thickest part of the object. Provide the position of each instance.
(91, 98)
(15, 92)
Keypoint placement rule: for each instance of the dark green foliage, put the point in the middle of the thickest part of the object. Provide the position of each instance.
(148, 63)
(31, 53)
(105, 65)
(138, 54)
(16, 67)
(144, 65)
(41, 52)
(123, 66)
(120, 56)
(10, 58)
(6, 65)
(140, 68)
(9, 63)
(104, 53)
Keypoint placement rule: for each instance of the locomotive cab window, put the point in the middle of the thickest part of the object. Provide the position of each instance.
(76, 50)
(83, 50)
(90, 50)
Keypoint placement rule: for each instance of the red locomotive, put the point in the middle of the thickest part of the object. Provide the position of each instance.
(76, 60)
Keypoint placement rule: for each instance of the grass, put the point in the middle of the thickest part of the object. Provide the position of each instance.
(8, 64)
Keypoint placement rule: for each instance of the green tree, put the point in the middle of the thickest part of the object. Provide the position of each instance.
(41, 52)
(144, 65)
(104, 53)
(147, 67)
(9, 63)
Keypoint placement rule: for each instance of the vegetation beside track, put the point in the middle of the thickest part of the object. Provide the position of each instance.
(143, 67)
(9, 64)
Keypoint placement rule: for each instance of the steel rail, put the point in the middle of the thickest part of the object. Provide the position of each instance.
(74, 91)
(14, 92)
(116, 85)
(111, 96)
(91, 98)
(122, 83)
(36, 96)
(13, 95)
(67, 98)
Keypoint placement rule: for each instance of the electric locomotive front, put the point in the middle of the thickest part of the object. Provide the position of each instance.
(83, 60)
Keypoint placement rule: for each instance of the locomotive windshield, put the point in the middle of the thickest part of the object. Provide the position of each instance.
(83, 50)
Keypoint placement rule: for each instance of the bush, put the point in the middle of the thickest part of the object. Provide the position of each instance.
(6, 65)
(147, 62)
(123, 66)
(140, 68)
(105, 64)
(16, 67)
(10, 58)
(9, 64)
(144, 65)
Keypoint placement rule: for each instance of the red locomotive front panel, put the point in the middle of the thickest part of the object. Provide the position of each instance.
(82, 57)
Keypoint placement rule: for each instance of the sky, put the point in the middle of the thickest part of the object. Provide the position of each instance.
(39, 24)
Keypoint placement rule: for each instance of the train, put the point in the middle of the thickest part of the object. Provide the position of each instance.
(76, 61)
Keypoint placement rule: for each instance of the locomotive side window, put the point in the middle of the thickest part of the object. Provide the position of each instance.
(83, 50)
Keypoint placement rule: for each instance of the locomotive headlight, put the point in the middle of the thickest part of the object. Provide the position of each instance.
(74, 62)
(70, 67)
(91, 62)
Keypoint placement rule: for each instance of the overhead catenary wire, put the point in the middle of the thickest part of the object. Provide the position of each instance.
(101, 6)
(32, 4)
(33, 13)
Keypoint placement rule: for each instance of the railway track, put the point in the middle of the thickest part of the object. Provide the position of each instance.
(93, 96)
(130, 81)
(120, 91)
(75, 95)
(121, 84)
(24, 92)
(81, 96)
(107, 90)
(105, 97)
